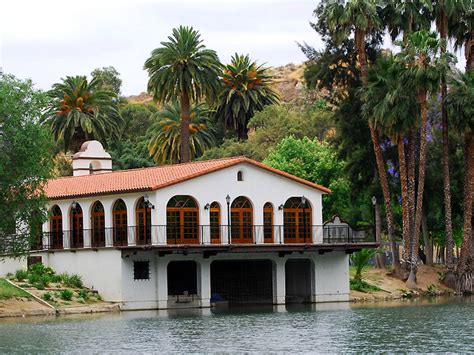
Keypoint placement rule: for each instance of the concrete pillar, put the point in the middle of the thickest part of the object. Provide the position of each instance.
(86, 223)
(204, 221)
(131, 219)
(204, 282)
(66, 226)
(108, 223)
(279, 286)
(162, 282)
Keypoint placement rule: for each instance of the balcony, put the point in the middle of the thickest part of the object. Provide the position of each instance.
(205, 235)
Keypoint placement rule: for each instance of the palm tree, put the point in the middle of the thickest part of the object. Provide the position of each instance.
(420, 57)
(246, 90)
(183, 69)
(392, 110)
(361, 17)
(80, 111)
(404, 17)
(461, 28)
(165, 145)
(446, 10)
(461, 112)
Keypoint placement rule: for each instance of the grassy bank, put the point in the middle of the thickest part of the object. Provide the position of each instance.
(8, 291)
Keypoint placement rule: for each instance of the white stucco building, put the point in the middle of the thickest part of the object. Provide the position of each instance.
(186, 235)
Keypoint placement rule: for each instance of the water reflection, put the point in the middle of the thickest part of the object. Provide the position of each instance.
(434, 325)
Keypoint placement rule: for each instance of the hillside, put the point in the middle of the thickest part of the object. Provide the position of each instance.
(288, 82)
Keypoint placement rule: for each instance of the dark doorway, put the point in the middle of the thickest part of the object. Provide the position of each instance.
(298, 280)
(182, 278)
(242, 281)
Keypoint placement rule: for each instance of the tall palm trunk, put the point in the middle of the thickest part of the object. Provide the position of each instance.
(184, 152)
(449, 278)
(422, 99)
(411, 201)
(360, 44)
(465, 277)
(404, 193)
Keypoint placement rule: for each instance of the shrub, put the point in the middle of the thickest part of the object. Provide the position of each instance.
(361, 259)
(37, 268)
(84, 294)
(39, 285)
(80, 300)
(98, 297)
(34, 278)
(55, 278)
(74, 281)
(66, 295)
(20, 275)
(431, 290)
(47, 296)
(362, 286)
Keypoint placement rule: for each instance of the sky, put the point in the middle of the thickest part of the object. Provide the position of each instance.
(46, 40)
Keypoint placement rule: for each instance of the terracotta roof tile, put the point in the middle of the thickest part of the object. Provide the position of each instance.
(148, 179)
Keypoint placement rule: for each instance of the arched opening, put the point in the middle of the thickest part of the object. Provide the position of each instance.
(240, 176)
(297, 220)
(98, 225)
(242, 281)
(119, 215)
(268, 223)
(182, 220)
(182, 278)
(143, 215)
(241, 217)
(215, 222)
(77, 227)
(56, 228)
(298, 280)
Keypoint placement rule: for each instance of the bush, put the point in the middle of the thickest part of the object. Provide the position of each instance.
(21, 275)
(73, 281)
(362, 286)
(47, 296)
(98, 297)
(84, 294)
(66, 295)
(55, 278)
(80, 300)
(34, 278)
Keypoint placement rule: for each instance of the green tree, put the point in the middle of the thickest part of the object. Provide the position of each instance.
(445, 10)
(317, 162)
(420, 56)
(361, 17)
(164, 144)
(392, 110)
(109, 79)
(183, 68)
(246, 90)
(459, 103)
(25, 163)
(79, 111)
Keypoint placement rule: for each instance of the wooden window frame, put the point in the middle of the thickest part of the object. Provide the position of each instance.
(56, 228)
(217, 210)
(121, 229)
(77, 227)
(268, 210)
(145, 227)
(98, 226)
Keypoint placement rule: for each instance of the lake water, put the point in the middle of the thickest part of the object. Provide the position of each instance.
(429, 326)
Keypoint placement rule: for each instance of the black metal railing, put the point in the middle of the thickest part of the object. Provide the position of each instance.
(192, 234)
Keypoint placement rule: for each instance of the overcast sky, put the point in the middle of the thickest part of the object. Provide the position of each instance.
(46, 40)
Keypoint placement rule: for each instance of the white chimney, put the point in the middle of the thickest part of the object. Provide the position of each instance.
(91, 159)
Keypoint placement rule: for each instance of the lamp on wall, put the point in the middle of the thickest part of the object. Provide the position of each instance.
(281, 207)
(74, 205)
(147, 202)
(207, 206)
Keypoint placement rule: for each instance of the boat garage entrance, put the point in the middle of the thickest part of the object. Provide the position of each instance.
(242, 281)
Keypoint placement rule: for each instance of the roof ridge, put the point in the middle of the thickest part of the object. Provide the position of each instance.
(237, 157)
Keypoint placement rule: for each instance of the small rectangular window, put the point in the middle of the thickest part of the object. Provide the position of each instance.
(141, 270)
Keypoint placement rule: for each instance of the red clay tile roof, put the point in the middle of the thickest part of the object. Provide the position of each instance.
(148, 179)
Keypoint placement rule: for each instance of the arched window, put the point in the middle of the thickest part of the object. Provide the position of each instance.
(240, 176)
(268, 222)
(143, 213)
(98, 225)
(215, 221)
(56, 228)
(241, 217)
(77, 229)
(182, 220)
(297, 220)
(119, 215)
